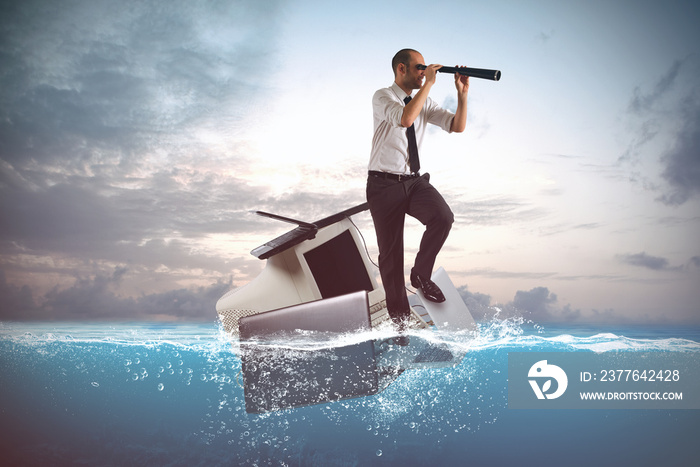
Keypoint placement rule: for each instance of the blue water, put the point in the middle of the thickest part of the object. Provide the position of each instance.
(153, 394)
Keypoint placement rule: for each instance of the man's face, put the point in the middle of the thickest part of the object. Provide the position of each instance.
(414, 77)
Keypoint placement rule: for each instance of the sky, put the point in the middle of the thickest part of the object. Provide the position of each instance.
(136, 137)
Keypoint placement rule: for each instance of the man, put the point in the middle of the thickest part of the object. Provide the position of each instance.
(394, 185)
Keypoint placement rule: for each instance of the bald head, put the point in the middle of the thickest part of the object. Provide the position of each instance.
(402, 56)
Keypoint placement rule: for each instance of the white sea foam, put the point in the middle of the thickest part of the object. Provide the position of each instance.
(498, 334)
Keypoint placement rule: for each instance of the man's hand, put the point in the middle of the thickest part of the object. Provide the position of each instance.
(461, 83)
(431, 74)
(413, 108)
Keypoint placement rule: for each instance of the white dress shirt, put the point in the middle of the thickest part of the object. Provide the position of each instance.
(389, 144)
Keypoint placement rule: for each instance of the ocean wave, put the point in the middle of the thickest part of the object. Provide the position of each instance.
(515, 334)
(190, 336)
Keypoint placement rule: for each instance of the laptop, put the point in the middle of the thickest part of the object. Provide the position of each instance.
(279, 376)
(452, 314)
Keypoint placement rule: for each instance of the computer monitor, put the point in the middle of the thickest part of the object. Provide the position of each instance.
(314, 261)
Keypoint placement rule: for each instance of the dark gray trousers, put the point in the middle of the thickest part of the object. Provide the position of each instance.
(389, 202)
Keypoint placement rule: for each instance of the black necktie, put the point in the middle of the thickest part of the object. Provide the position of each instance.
(412, 145)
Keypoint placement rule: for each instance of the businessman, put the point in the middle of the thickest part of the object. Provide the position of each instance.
(395, 186)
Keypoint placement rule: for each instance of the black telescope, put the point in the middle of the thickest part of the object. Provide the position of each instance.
(493, 75)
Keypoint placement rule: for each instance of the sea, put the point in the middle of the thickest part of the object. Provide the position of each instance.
(103, 394)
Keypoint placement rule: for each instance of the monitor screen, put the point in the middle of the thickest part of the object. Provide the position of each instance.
(337, 267)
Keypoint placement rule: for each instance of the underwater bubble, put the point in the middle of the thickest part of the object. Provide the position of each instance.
(379, 453)
(95, 384)
(160, 386)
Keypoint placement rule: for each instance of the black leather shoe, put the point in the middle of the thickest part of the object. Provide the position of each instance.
(430, 289)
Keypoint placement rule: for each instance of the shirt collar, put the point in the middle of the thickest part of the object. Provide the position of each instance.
(398, 91)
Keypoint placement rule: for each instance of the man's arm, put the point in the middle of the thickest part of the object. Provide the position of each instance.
(413, 108)
(459, 122)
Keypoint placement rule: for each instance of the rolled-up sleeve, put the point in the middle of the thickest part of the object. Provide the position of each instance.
(387, 108)
(436, 115)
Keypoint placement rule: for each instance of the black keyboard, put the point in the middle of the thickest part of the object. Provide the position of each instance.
(283, 242)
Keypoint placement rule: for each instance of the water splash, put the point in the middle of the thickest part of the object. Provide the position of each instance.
(181, 386)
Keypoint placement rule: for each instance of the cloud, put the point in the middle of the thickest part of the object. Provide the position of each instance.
(478, 304)
(548, 230)
(98, 95)
(89, 82)
(545, 37)
(88, 216)
(671, 109)
(121, 147)
(642, 103)
(17, 302)
(647, 107)
(499, 274)
(644, 260)
(538, 305)
(682, 162)
(96, 298)
(541, 306)
(499, 210)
